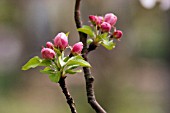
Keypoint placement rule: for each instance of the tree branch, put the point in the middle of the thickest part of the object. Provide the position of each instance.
(87, 72)
(91, 47)
(70, 100)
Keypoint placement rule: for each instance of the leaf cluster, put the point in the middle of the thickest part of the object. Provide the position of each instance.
(57, 67)
(97, 37)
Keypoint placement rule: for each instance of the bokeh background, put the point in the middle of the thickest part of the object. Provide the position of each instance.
(132, 78)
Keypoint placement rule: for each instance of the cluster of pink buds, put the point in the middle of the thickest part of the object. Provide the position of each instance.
(60, 43)
(106, 23)
(96, 20)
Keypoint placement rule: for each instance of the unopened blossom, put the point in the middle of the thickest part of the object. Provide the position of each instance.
(99, 20)
(93, 19)
(48, 53)
(110, 18)
(49, 45)
(105, 27)
(61, 41)
(118, 34)
(77, 48)
(96, 20)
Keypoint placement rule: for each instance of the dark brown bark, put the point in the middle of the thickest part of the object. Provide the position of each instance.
(87, 72)
(70, 100)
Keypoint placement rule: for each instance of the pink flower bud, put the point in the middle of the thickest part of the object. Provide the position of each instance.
(61, 41)
(48, 53)
(77, 48)
(117, 34)
(96, 20)
(110, 18)
(93, 19)
(106, 27)
(99, 20)
(49, 45)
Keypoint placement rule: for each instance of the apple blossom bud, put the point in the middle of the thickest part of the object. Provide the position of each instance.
(48, 53)
(93, 19)
(106, 27)
(61, 41)
(49, 45)
(99, 20)
(77, 48)
(110, 18)
(117, 34)
(96, 20)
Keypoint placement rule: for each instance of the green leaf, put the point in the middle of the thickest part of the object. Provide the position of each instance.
(76, 57)
(62, 54)
(102, 36)
(67, 34)
(72, 67)
(61, 62)
(65, 59)
(69, 71)
(55, 77)
(77, 60)
(47, 70)
(45, 62)
(32, 63)
(89, 41)
(108, 44)
(87, 30)
(57, 51)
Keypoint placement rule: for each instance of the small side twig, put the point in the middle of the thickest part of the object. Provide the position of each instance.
(70, 100)
(87, 72)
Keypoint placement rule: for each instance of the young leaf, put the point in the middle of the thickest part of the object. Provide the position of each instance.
(45, 62)
(55, 77)
(102, 37)
(69, 71)
(72, 67)
(61, 62)
(67, 34)
(89, 41)
(65, 59)
(47, 70)
(76, 57)
(87, 30)
(32, 63)
(80, 62)
(57, 51)
(108, 44)
(77, 60)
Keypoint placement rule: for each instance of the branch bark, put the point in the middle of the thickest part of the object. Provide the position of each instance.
(87, 72)
(70, 100)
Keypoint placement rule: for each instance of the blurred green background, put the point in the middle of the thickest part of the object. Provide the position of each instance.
(132, 78)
